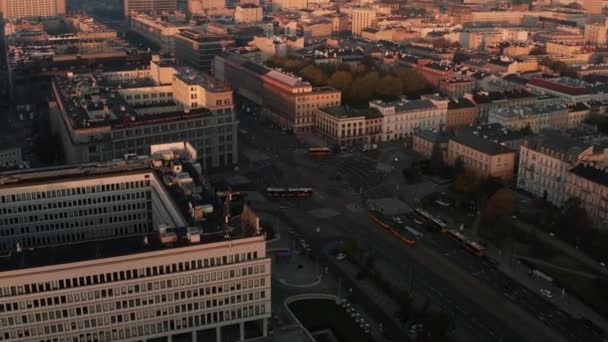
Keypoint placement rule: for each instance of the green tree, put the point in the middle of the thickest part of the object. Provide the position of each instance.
(499, 205)
(389, 87)
(72, 50)
(573, 220)
(490, 185)
(458, 166)
(342, 80)
(436, 161)
(441, 43)
(412, 82)
(314, 75)
(526, 131)
(363, 88)
(344, 67)
(467, 184)
(538, 50)
(600, 121)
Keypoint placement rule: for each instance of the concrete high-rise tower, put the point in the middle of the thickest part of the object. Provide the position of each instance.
(362, 17)
(16, 9)
(149, 6)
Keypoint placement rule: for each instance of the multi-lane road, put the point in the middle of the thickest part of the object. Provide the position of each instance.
(486, 304)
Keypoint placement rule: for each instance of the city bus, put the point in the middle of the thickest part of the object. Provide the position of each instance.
(413, 232)
(288, 192)
(456, 235)
(319, 151)
(234, 195)
(378, 218)
(431, 221)
(474, 248)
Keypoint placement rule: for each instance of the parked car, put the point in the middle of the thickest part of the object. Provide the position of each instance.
(546, 293)
(341, 256)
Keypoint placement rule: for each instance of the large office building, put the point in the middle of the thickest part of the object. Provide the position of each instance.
(103, 116)
(149, 6)
(198, 48)
(156, 30)
(289, 5)
(102, 252)
(362, 17)
(18, 9)
(248, 13)
(199, 6)
(79, 204)
(288, 100)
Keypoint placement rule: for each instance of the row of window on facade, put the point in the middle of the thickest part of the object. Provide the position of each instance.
(74, 191)
(76, 203)
(139, 308)
(129, 274)
(148, 95)
(75, 235)
(133, 329)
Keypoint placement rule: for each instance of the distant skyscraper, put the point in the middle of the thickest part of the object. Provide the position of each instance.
(285, 5)
(15, 9)
(149, 6)
(195, 6)
(595, 34)
(362, 17)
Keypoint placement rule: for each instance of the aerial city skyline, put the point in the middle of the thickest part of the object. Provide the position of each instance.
(303, 170)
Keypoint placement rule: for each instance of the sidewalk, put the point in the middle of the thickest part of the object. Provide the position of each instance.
(519, 272)
(509, 265)
(564, 247)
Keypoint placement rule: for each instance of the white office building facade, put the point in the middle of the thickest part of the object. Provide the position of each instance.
(197, 292)
(77, 209)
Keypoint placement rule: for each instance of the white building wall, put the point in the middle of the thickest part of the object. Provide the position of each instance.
(140, 296)
(75, 210)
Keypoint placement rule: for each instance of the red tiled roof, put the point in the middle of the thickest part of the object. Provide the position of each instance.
(574, 91)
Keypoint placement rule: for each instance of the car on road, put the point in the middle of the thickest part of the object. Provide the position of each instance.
(398, 220)
(603, 264)
(443, 203)
(341, 256)
(546, 293)
(291, 231)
